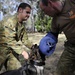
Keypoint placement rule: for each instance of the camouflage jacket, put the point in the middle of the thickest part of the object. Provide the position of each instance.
(13, 35)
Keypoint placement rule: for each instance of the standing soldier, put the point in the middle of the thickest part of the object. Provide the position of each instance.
(63, 19)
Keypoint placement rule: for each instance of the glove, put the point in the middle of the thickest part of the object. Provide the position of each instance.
(47, 44)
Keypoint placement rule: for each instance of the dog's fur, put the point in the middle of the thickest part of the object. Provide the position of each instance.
(12, 72)
(25, 70)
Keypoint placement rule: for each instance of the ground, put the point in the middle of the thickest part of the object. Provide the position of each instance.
(52, 60)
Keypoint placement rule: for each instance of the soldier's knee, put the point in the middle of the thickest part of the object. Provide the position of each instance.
(13, 65)
(2, 61)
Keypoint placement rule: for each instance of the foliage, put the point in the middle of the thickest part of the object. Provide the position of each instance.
(43, 23)
(48, 26)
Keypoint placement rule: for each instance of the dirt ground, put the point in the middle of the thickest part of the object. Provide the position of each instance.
(51, 61)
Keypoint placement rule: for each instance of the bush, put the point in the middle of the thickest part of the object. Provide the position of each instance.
(43, 25)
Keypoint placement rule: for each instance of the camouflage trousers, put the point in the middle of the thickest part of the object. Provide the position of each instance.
(66, 64)
(9, 59)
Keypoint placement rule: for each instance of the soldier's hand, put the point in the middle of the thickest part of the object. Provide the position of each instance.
(25, 54)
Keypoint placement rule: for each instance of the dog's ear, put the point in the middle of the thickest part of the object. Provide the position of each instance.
(32, 70)
(28, 69)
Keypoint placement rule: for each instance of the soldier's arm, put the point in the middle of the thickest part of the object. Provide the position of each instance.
(10, 33)
(26, 41)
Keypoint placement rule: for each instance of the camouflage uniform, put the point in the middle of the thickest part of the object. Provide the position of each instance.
(13, 36)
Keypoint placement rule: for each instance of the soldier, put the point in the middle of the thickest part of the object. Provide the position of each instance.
(63, 19)
(13, 38)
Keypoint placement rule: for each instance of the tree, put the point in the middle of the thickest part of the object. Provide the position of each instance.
(43, 21)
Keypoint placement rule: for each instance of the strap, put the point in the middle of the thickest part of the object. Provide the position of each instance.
(14, 53)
